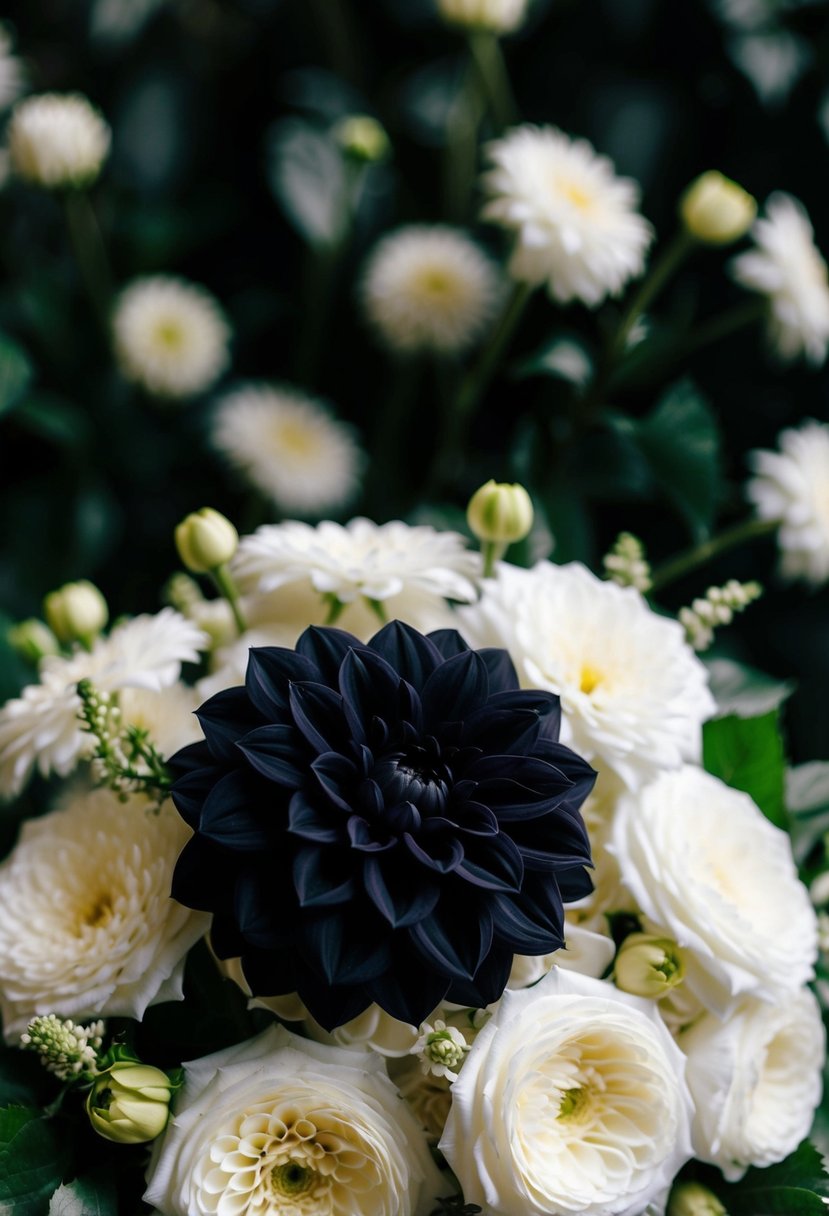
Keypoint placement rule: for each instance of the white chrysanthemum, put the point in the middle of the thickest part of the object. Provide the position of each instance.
(710, 871)
(792, 487)
(87, 924)
(57, 140)
(497, 16)
(170, 336)
(572, 1099)
(788, 269)
(633, 694)
(575, 222)
(282, 1125)
(12, 73)
(168, 716)
(756, 1080)
(290, 447)
(430, 288)
(41, 727)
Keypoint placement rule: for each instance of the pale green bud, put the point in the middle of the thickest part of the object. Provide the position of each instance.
(499, 513)
(206, 540)
(362, 138)
(694, 1199)
(716, 210)
(76, 612)
(32, 640)
(648, 966)
(130, 1102)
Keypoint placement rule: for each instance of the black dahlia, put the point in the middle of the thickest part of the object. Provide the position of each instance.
(389, 821)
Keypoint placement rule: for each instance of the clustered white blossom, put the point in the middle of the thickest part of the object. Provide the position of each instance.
(67, 1050)
(789, 488)
(717, 607)
(627, 565)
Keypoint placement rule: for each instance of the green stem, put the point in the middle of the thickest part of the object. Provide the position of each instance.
(226, 587)
(90, 253)
(461, 153)
(725, 324)
(488, 59)
(318, 299)
(700, 555)
(388, 450)
(662, 271)
(492, 551)
(335, 607)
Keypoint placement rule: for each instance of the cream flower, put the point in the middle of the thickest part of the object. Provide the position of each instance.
(168, 716)
(633, 694)
(57, 140)
(756, 1079)
(41, 727)
(572, 1099)
(87, 925)
(170, 336)
(288, 1127)
(709, 870)
(429, 288)
(585, 951)
(575, 222)
(792, 487)
(429, 1098)
(290, 447)
(788, 269)
(498, 16)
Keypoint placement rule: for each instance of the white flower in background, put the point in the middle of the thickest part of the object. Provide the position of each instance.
(279, 1124)
(790, 486)
(633, 694)
(430, 288)
(497, 16)
(428, 1098)
(756, 1081)
(41, 727)
(12, 72)
(575, 222)
(120, 20)
(57, 140)
(87, 925)
(572, 1099)
(168, 716)
(585, 951)
(788, 269)
(170, 336)
(710, 871)
(290, 447)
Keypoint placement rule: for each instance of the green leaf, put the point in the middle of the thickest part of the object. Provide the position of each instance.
(794, 1187)
(55, 419)
(747, 753)
(307, 176)
(743, 691)
(94, 1195)
(15, 373)
(33, 1157)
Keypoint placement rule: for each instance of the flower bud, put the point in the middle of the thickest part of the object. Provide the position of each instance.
(716, 210)
(206, 540)
(32, 640)
(694, 1199)
(130, 1102)
(648, 966)
(500, 513)
(362, 138)
(494, 16)
(77, 612)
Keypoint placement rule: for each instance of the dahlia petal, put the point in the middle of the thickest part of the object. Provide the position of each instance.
(515, 721)
(497, 866)
(502, 674)
(489, 981)
(469, 818)
(452, 853)
(524, 927)
(364, 838)
(408, 992)
(408, 652)
(223, 718)
(307, 821)
(329, 1004)
(317, 712)
(229, 816)
(316, 883)
(337, 775)
(457, 955)
(263, 917)
(574, 883)
(455, 689)
(369, 688)
(201, 873)
(191, 789)
(330, 940)
(270, 972)
(449, 642)
(273, 752)
(270, 673)
(326, 649)
(401, 898)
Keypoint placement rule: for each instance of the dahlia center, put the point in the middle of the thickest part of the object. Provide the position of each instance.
(99, 912)
(574, 1104)
(292, 1178)
(295, 439)
(411, 779)
(437, 285)
(170, 335)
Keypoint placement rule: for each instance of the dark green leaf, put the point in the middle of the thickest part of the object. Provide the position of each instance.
(308, 178)
(747, 753)
(15, 373)
(743, 691)
(33, 1157)
(52, 418)
(794, 1187)
(94, 1195)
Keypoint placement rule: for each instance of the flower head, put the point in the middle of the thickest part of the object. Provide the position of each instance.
(170, 336)
(76, 612)
(289, 446)
(791, 486)
(429, 288)
(386, 822)
(575, 222)
(130, 1102)
(788, 269)
(57, 140)
(716, 210)
(496, 16)
(67, 1050)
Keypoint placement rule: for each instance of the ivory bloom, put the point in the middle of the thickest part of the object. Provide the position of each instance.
(572, 1099)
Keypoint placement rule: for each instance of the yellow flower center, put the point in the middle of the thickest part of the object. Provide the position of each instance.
(574, 1104)
(590, 678)
(292, 1178)
(170, 335)
(574, 194)
(99, 912)
(295, 439)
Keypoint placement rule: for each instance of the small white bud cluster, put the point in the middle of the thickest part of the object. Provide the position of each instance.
(124, 759)
(627, 565)
(717, 607)
(67, 1050)
(441, 1049)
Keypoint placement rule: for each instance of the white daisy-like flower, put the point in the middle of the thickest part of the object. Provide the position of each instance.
(282, 1125)
(708, 870)
(430, 288)
(87, 924)
(756, 1080)
(792, 486)
(41, 727)
(497, 16)
(168, 716)
(633, 693)
(575, 222)
(572, 1099)
(787, 268)
(290, 447)
(170, 336)
(12, 72)
(57, 140)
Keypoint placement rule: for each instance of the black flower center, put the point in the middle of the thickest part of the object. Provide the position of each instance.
(413, 778)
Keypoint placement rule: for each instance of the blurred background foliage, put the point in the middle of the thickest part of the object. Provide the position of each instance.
(224, 170)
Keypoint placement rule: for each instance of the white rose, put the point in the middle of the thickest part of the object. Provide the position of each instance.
(572, 1099)
(708, 869)
(279, 1124)
(756, 1079)
(584, 951)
